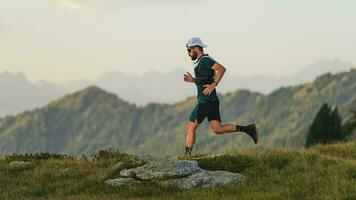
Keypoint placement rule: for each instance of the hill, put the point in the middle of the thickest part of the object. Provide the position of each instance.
(25, 95)
(93, 119)
(321, 172)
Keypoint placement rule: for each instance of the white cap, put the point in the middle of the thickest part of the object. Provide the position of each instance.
(195, 41)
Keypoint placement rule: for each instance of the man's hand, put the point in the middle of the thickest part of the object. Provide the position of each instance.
(188, 77)
(208, 89)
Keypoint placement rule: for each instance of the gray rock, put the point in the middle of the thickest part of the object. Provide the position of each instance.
(19, 163)
(204, 179)
(121, 182)
(128, 173)
(183, 174)
(163, 169)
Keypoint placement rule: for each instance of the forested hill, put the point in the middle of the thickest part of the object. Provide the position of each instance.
(93, 119)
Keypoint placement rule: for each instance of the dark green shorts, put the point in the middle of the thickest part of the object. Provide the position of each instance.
(209, 109)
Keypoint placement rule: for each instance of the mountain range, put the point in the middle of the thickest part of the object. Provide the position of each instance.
(19, 94)
(92, 118)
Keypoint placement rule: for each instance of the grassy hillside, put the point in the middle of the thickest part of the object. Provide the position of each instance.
(321, 172)
(93, 119)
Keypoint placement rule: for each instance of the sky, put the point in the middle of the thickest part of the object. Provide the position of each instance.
(61, 40)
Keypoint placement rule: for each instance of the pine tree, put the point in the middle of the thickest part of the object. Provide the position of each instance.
(335, 133)
(325, 128)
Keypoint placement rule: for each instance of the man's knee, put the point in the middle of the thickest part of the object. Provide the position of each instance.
(191, 127)
(216, 129)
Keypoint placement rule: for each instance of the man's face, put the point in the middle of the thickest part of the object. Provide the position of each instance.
(192, 53)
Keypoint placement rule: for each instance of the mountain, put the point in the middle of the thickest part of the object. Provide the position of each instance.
(156, 87)
(93, 119)
(267, 84)
(19, 94)
(150, 87)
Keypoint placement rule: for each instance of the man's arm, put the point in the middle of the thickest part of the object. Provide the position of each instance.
(189, 78)
(220, 71)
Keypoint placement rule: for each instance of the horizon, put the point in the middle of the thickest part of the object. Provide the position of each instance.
(84, 39)
(28, 78)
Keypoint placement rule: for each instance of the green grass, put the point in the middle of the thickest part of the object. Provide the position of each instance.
(320, 172)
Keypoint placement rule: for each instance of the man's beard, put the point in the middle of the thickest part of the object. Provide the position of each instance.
(194, 57)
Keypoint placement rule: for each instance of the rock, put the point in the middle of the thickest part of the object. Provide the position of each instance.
(204, 179)
(19, 163)
(121, 182)
(163, 169)
(118, 165)
(127, 173)
(183, 174)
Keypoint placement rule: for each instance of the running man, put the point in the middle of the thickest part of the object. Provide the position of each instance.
(208, 74)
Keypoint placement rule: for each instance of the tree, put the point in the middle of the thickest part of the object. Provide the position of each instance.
(350, 125)
(325, 128)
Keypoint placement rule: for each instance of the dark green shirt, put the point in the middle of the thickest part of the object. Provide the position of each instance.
(205, 75)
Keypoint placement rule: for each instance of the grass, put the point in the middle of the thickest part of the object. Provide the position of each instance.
(320, 172)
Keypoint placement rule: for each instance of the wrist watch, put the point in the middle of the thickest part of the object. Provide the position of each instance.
(216, 83)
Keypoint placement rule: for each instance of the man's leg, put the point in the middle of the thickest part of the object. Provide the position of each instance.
(190, 136)
(218, 128)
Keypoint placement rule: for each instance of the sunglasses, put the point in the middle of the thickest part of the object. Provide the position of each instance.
(189, 50)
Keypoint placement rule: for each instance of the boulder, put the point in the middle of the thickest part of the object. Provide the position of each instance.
(167, 171)
(163, 169)
(121, 181)
(204, 179)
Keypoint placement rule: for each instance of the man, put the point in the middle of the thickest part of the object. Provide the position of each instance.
(208, 74)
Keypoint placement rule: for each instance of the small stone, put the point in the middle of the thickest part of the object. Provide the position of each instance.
(121, 182)
(127, 173)
(139, 162)
(19, 163)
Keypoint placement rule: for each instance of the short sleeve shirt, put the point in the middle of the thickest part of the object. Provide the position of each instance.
(203, 71)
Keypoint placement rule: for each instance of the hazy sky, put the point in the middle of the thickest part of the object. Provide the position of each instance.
(59, 40)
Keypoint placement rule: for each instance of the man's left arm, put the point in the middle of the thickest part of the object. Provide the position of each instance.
(220, 71)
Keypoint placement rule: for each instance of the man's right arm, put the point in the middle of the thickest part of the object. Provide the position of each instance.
(189, 78)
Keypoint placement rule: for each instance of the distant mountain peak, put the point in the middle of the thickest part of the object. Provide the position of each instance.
(333, 65)
(8, 76)
(92, 89)
(92, 92)
(87, 97)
